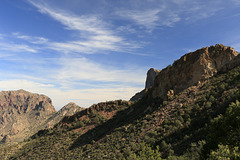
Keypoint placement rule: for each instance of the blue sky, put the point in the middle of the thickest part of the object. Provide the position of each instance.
(97, 50)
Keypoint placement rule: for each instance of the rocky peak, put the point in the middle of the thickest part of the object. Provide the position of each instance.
(192, 68)
(151, 74)
(69, 109)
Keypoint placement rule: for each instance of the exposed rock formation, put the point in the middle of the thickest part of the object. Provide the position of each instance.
(151, 74)
(23, 113)
(192, 68)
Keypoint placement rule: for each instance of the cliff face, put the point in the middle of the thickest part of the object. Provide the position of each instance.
(22, 113)
(151, 74)
(193, 67)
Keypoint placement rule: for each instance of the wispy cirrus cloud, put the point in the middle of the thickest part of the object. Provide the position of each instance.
(147, 18)
(89, 23)
(94, 44)
(95, 35)
(10, 46)
(154, 14)
(14, 47)
(31, 39)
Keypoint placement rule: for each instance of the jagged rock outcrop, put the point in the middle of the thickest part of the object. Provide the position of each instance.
(151, 74)
(192, 68)
(22, 113)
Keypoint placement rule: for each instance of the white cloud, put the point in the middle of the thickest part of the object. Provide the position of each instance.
(82, 69)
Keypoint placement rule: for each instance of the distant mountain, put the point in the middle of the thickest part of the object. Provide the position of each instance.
(191, 112)
(23, 114)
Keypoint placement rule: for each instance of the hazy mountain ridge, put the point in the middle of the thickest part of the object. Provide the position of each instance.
(173, 122)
